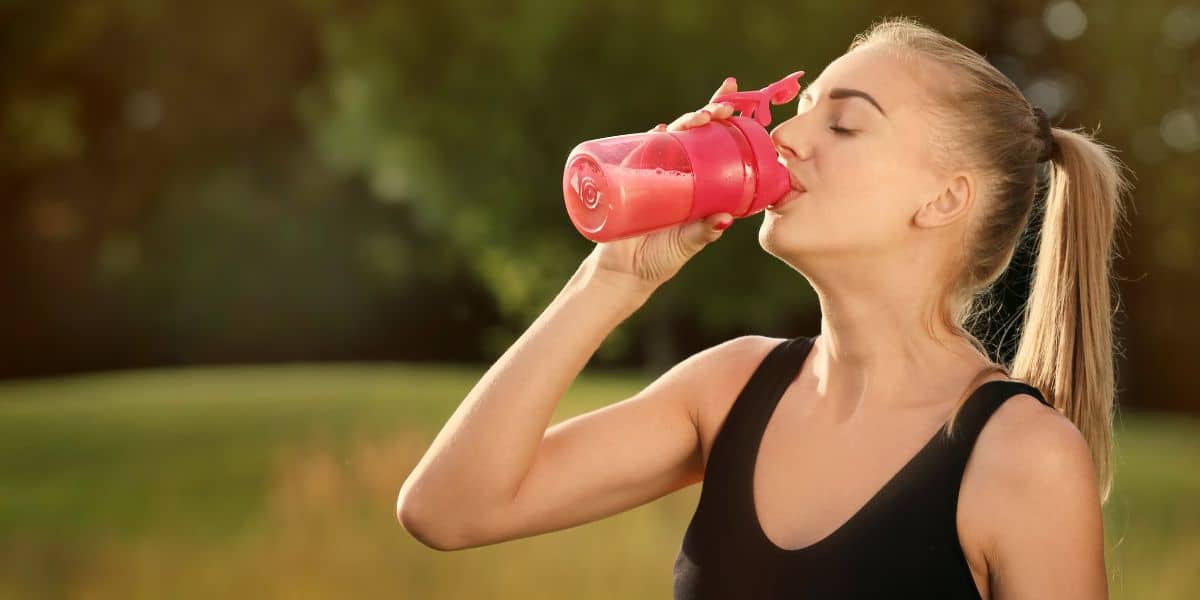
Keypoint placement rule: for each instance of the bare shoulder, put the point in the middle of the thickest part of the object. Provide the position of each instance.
(741, 347)
(1026, 443)
(729, 365)
(731, 359)
(1029, 505)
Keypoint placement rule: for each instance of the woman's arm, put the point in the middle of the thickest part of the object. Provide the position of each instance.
(495, 473)
(1045, 534)
(479, 458)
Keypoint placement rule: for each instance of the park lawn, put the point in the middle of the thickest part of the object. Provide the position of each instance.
(280, 481)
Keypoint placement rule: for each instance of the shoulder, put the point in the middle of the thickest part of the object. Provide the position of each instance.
(731, 356)
(726, 367)
(1029, 445)
(735, 356)
(705, 372)
(745, 346)
(1029, 497)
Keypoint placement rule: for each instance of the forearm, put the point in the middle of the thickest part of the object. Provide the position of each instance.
(480, 456)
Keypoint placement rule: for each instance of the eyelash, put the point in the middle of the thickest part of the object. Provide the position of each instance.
(837, 130)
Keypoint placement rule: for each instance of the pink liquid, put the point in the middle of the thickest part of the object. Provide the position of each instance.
(646, 199)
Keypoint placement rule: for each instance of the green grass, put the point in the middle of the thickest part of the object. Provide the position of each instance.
(279, 482)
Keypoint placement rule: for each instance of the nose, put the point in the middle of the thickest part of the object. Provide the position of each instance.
(790, 140)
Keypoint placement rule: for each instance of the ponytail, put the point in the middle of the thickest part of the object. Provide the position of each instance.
(1066, 347)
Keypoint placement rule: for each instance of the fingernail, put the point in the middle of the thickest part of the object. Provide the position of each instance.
(705, 111)
(729, 80)
(661, 126)
(723, 224)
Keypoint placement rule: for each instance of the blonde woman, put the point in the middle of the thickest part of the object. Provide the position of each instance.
(887, 456)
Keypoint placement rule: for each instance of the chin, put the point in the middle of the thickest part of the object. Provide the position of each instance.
(792, 241)
(779, 238)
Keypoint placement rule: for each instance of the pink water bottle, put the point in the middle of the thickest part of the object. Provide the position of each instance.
(626, 185)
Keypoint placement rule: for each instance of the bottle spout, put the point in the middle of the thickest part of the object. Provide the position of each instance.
(756, 104)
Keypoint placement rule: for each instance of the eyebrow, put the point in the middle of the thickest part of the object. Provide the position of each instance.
(839, 93)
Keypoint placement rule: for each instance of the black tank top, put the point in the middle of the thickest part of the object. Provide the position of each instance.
(903, 543)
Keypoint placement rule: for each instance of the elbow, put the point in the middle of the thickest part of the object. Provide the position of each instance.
(420, 527)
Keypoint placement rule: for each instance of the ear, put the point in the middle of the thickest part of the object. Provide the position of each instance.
(950, 204)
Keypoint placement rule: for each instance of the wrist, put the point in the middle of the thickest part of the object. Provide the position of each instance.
(627, 288)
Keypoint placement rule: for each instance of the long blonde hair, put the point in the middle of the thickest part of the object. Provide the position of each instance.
(1066, 347)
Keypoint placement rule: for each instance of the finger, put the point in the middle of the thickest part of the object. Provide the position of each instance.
(697, 119)
(688, 120)
(727, 86)
(698, 234)
(719, 221)
(720, 110)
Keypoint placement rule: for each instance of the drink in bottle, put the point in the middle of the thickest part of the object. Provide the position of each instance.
(626, 185)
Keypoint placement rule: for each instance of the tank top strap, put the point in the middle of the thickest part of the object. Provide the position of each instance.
(768, 383)
(753, 406)
(984, 401)
(729, 458)
(960, 440)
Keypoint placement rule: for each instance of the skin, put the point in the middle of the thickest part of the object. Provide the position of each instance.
(871, 234)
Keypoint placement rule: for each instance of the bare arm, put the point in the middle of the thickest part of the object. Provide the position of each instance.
(494, 472)
(479, 458)
(1047, 538)
(623, 455)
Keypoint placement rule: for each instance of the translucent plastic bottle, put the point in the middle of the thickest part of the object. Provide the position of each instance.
(626, 185)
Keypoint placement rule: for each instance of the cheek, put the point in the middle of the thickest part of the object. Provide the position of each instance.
(862, 199)
(874, 180)
(861, 182)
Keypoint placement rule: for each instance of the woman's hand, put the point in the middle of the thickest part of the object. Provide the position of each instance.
(649, 260)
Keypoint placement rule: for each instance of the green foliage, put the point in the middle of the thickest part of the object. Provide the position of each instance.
(467, 114)
(228, 180)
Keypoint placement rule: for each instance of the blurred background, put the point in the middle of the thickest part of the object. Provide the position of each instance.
(254, 254)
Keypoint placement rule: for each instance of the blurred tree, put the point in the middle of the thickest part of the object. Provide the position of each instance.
(341, 178)
(466, 112)
(164, 204)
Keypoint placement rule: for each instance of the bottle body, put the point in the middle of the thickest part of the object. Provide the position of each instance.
(627, 185)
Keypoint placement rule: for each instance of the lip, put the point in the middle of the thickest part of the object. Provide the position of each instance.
(786, 199)
(797, 189)
(793, 180)
(796, 185)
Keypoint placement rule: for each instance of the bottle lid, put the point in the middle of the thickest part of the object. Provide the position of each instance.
(756, 103)
(773, 178)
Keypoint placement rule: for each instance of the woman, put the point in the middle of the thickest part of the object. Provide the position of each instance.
(887, 456)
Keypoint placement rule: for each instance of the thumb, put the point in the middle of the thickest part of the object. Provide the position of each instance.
(707, 230)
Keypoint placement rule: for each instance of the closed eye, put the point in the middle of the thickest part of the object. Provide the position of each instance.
(840, 130)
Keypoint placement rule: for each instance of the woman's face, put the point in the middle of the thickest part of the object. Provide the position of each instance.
(860, 147)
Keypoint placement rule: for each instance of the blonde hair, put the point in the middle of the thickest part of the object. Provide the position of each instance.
(1066, 347)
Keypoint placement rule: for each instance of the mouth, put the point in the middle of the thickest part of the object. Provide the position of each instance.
(786, 199)
(796, 190)
(796, 185)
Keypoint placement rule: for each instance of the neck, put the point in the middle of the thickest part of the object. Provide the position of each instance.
(882, 342)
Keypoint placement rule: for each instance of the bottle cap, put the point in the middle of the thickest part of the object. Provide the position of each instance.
(756, 103)
(755, 114)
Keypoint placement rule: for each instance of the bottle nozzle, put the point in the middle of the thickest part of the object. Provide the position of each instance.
(756, 104)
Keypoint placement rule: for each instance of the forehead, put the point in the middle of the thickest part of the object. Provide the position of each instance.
(893, 80)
